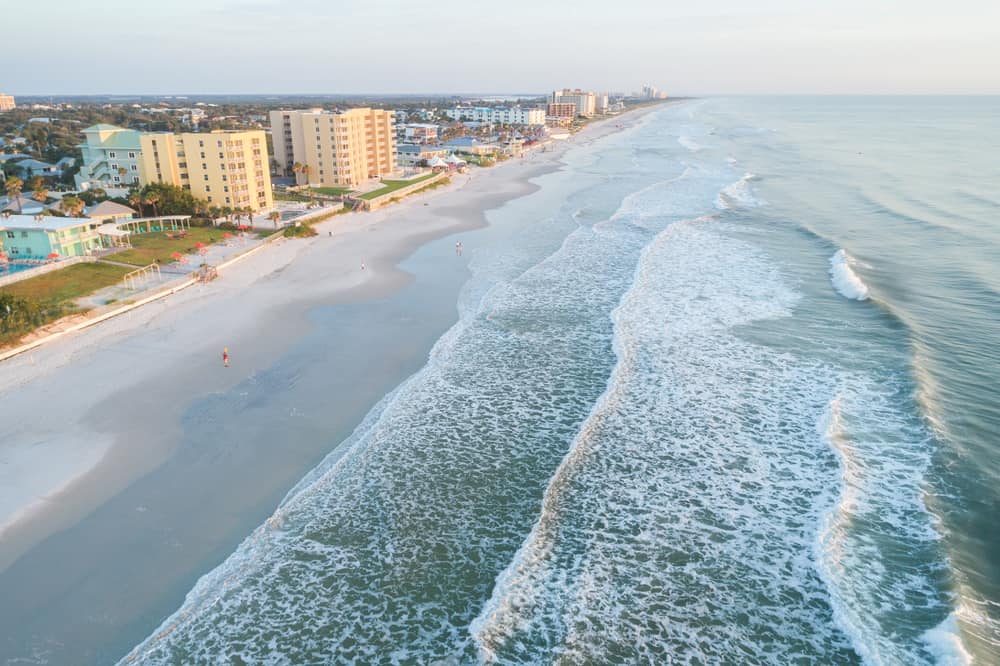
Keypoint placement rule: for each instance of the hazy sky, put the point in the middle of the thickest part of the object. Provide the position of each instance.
(357, 46)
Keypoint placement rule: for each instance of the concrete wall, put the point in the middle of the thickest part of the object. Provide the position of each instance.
(374, 204)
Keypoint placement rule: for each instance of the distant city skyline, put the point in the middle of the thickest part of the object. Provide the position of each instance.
(353, 47)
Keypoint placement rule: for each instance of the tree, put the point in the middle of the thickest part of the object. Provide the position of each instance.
(305, 172)
(40, 194)
(71, 205)
(122, 171)
(152, 198)
(275, 217)
(297, 169)
(36, 183)
(135, 200)
(13, 187)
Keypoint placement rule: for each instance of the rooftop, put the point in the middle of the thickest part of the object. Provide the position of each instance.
(45, 223)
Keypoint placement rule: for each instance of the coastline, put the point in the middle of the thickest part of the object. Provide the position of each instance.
(133, 433)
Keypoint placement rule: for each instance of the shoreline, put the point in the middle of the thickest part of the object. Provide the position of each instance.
(136, 430)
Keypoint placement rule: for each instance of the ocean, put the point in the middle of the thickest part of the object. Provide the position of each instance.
(721, 391)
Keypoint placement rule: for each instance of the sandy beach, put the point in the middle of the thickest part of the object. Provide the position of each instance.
(128, 465)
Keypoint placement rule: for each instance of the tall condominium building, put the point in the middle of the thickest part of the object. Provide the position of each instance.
(7, 102)
(223, 168)
(336, 149)
(110, 157)
(602, 104)
(586, 101)
(562, 110)
(507, 115)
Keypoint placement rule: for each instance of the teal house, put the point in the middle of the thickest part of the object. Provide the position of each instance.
(38, 236)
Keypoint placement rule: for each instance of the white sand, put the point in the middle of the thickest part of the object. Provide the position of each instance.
(86, 415)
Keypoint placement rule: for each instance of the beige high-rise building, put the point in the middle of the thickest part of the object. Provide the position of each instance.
(337, 149)
(224, 168)
(7, 102)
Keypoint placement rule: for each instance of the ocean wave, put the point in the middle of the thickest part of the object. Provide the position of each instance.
(738, 195)
(689, 143)
(844, 279)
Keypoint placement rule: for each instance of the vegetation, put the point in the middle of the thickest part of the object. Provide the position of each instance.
(19, 316)
(67, 284)
(393, 185)
(159, 247)
(166, 199)
(332, 191)
(291, 196)
(305, 229)
(13, 185)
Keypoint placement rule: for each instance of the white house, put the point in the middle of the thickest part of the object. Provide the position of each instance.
(506, 115)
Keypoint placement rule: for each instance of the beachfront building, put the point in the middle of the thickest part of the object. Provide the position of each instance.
(585, 101)
(602, 104)
(411, 155)
(418, 133)
(7, 102)
(502, 115)
(40, 236)
(227, 169)
(563, 111)
(110, 157)
(334, 149)
(471, 146)
(109, 212)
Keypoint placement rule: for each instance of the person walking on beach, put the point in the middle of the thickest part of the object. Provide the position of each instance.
(225, 356)
(362, 265)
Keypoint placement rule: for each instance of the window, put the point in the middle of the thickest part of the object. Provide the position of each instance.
(220, 144)
(206, 176)
(10, 234)
(204, 166)
(201, 144)
(227, 200)
(203, 156)
(210, 198)
(208, 188)
(114, 167)
(24, 234)
(117, 179)
(225, 188)
(135, 167)
(131, 155)
(112, 154)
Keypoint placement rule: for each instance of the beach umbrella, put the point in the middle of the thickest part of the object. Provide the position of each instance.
(177, 255)
(52, 255)
(227, 235)
(199, 244)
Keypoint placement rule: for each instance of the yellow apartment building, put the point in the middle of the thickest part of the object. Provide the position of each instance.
(340, 149)
(224, 168)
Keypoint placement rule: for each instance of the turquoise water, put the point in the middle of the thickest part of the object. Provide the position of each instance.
(721, 391)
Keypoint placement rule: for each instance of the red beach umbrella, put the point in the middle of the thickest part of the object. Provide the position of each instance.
(199, 244)
(52, 255)
(177, 255)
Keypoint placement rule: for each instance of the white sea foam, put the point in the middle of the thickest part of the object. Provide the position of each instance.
(844, 279)
(945, 643)
(689, 143)
(738, 195)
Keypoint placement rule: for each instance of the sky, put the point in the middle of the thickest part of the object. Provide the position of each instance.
(62, 47)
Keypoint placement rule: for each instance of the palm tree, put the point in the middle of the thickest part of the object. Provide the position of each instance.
(71, 205)
(275, 217)
(214, 212)
(135, 199)
(122, 171)
(36, 182)
(13, 187)
(152, 199)
(40, 194)
(305, 172)
(297, 169)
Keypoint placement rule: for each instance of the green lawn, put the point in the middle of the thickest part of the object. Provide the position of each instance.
(332, 191)
(393, 185)
(67, 284)
(290, 196)
(147, 248)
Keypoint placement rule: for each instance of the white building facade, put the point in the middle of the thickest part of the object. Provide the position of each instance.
(501, 115)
